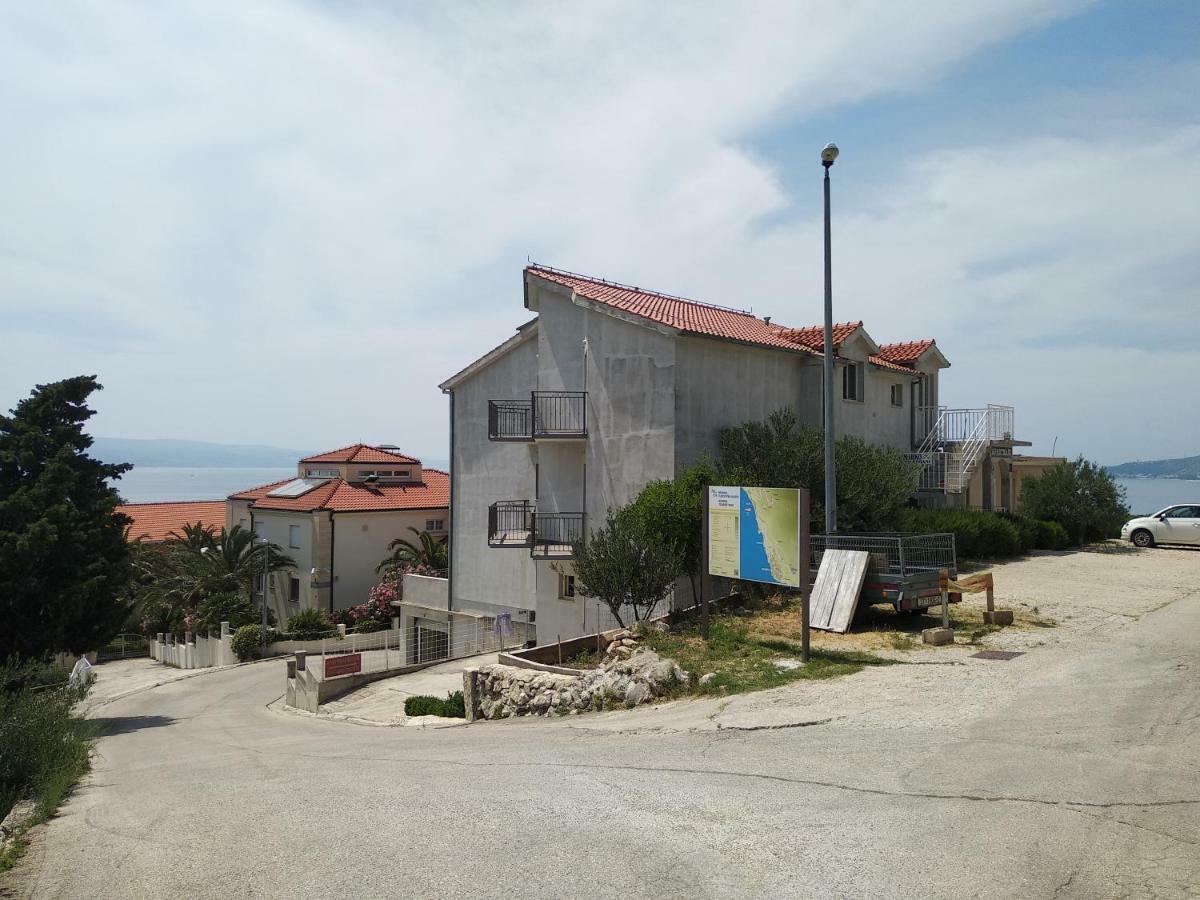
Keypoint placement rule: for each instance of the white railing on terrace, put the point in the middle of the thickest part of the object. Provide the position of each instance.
(951, 426)
(954, 444)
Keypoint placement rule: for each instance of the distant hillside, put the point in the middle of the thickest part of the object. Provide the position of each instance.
(1188, 467)
(192, 454)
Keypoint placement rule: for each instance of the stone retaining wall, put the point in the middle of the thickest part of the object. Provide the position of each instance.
(628, 676)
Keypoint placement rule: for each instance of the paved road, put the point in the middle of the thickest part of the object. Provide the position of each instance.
(1081, 779)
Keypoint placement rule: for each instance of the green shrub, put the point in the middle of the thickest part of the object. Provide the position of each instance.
(1080, 496)
(1051, 536)
(977, 534)
(309, 624)
(452, 706)
(247, 642)
(873, 483)
(43, 747)
(366, 626)
(236, 609)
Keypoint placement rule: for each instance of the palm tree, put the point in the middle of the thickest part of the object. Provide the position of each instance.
(428, 551)
(229, 560)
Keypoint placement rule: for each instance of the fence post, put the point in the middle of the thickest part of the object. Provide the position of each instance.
(944, 579)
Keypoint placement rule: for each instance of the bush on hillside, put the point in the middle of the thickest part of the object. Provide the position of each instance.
(453, 706)
(310, 624)
(873, 483)
(977, 534)
(43, 747)
(1080, 496)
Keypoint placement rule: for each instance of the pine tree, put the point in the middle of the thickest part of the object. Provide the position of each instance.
(64, 561)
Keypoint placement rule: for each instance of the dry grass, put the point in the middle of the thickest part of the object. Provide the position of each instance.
(881, 627)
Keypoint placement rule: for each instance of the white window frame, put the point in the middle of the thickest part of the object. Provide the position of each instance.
(898, 396)
(294, 537)
(435, 524)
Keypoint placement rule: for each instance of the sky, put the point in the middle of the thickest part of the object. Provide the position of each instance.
(285, 223)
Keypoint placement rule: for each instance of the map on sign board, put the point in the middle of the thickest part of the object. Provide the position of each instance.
(754, 534)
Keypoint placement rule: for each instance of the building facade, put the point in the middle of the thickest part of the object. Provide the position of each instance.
(336, 519)
(610, 387)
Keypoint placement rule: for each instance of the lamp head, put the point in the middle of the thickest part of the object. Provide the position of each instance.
(828, 155)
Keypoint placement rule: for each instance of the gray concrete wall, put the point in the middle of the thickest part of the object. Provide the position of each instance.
(720, 385)
(872, 418)
(424, 590)
(484, 472)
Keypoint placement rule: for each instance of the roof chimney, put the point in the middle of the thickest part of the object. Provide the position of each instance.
(767, 319)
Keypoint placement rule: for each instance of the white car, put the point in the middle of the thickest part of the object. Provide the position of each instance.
(1179, 524)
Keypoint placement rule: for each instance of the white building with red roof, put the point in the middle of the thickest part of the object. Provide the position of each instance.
(336, 517)
(610, 387)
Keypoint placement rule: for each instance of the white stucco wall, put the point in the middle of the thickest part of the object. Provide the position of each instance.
(361, 543)
(274, 526)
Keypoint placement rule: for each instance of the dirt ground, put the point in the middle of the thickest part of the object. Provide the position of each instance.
(1055, 596)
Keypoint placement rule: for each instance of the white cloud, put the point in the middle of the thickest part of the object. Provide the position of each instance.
(210, 204)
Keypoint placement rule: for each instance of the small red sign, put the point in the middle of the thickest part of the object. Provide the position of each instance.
(348, 664)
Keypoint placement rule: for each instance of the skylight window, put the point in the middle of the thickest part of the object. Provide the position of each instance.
(297, 487)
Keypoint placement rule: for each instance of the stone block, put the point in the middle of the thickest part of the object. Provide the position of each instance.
(938, 636)
(998, 617)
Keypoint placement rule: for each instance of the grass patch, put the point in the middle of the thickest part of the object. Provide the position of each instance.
(44, 748)
(584, 659)
(743, 661)
(452, 706)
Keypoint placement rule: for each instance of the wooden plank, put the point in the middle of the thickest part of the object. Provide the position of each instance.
(839, 583)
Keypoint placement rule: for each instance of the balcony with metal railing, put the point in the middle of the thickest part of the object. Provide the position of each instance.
(954, 442)
(547, 535)
(555, 535)
(510, 524)
(546, 415)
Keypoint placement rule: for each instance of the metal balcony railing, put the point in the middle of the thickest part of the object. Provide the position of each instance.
(545, 415)
(510, 524)
(556, 534)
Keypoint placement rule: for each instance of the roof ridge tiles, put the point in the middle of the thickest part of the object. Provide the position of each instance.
(536, 266)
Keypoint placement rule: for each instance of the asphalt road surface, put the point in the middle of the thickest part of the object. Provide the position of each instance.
(1080, 779)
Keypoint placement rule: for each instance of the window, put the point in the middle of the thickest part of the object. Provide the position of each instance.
(294, 537)
(1182, 512)
(852, 388)
(435, 524)
(897, 395)
(566, 587)
(294, 589)
(321, 473)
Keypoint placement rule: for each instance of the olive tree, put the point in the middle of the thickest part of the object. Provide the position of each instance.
(625, 567)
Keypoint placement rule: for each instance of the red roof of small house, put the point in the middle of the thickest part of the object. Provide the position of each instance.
(345, 496)
(155, 521)
(360, 453)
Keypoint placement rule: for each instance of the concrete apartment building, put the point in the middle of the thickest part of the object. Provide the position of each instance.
(336, 519)
(610, 387)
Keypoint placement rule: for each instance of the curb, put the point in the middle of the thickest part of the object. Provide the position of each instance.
(276, 706)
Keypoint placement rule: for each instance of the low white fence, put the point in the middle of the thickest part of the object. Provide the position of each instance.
(193, 651)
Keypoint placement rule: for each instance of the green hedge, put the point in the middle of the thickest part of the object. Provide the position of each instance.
(979, 534)
(452, 706)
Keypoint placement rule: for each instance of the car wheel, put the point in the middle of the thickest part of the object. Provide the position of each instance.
(1142, 538)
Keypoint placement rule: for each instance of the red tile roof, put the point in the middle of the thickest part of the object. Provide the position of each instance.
(156, 521)
(342, 496)
(731, 324)
(907, 352)
(813, 336)
(360, 453)
(676, 312)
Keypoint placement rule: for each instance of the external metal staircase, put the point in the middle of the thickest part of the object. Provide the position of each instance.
(956, 442)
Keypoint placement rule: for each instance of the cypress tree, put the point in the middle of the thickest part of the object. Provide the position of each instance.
(64, 560)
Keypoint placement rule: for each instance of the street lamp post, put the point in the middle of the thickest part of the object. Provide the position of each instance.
(828, 155)
(266, 549)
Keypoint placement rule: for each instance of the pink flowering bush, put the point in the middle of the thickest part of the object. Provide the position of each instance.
(376, 614)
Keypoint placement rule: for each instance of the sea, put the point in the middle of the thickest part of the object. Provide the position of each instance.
(1148, 495)
(159, 484)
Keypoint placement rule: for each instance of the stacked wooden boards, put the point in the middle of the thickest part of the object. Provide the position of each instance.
(835, 594)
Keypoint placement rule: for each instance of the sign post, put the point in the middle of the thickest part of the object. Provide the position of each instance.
(758, 534)
(705, 580)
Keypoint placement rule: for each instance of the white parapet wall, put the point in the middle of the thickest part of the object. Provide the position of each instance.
(427, 591)
(190, 651)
